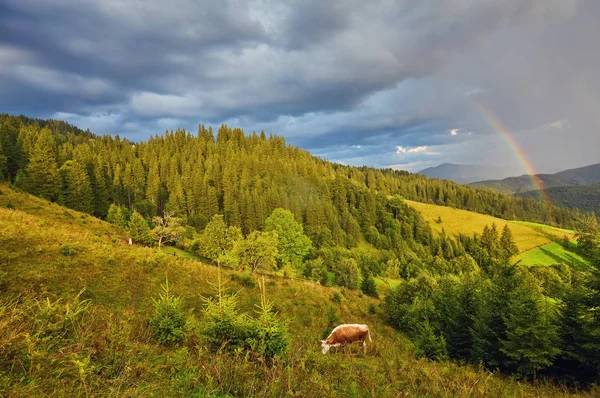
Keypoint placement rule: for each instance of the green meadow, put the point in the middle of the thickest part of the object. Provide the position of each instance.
(554, 253)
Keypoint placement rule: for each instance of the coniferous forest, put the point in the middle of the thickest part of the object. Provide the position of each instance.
(256, 203)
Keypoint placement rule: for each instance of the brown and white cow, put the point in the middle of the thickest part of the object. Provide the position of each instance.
(348, 333)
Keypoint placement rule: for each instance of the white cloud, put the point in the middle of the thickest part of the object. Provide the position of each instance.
(454, 131)
(418, 149)
(559, 124)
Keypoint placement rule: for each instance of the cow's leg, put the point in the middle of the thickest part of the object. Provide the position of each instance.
(365, 347)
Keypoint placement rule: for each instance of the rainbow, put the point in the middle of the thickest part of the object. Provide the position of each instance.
(497, 125)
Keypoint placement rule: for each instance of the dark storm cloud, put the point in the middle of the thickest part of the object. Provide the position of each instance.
(352, 80)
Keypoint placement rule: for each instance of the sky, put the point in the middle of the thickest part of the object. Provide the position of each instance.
(398, 84)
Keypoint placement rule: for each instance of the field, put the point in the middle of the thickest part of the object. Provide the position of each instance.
(554, 253)
(53, 344)
(454, 221)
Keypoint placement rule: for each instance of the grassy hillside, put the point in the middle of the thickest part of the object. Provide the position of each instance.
(454, 221)
(54, 344)
(554, 253)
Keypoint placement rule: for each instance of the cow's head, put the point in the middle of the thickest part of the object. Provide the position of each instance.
(324, 347)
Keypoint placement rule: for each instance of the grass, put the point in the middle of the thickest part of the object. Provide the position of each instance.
(554, 253)
(52, 344)
(181, 253)
(455, 221)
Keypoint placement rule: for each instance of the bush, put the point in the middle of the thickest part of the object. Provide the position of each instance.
(226, 329)
(372, 309)
(168, 322)
(268, 334)
(336, 298)
(68, 250)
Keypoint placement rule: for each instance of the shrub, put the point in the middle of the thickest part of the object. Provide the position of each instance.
(372, 309)
(68, 250)
(168, 321)
(269, 334)
(227, 329)
(336, 298)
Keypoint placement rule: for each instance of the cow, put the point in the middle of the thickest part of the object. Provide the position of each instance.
(348, 333)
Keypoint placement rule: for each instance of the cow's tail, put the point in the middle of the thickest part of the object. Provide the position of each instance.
(369, 334)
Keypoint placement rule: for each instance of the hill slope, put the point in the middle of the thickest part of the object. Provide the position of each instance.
(455, 221)
(579, 176)
(103, 346)
(462, 173)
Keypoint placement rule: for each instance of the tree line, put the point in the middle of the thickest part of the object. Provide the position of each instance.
(244, 177)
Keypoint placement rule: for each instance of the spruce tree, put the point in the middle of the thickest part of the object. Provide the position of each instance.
(42, 177)
(138, 228)
(577, 333)
(78, 194)
(3, 164)
(532, 339)
(508, 248)
(117, 215)
(368, 286)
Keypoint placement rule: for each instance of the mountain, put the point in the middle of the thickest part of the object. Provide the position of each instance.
(583, 197)
(580, 176)
(462, 173)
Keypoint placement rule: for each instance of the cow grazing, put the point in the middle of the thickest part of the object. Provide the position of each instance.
(348, 333)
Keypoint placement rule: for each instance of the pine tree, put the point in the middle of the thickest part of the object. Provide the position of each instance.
(532, 339)
(100, 190)
(576, 330)
(138, 228)
(3, 164)
(77, 194)
(508, 248)
(42, 177)
(368, 286)
(116, 216)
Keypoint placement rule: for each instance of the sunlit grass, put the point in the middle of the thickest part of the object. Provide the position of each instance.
(554, 253)
(456, 221)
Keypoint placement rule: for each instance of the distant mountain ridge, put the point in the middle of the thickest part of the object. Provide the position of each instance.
(463, 173)
(586, 175)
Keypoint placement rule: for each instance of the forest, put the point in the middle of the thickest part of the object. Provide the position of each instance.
(254, 201)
